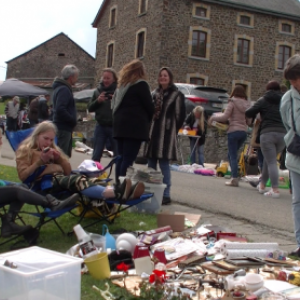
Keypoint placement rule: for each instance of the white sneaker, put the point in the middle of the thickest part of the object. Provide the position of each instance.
(261, 191)
(272, 194)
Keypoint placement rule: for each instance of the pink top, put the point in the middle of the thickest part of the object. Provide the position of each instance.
(235, 114)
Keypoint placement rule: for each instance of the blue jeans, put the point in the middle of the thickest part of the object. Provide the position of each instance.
(128, 150)
(101, 135)
(295, 177)
(235, 141)
(199, 150)
(165, 169)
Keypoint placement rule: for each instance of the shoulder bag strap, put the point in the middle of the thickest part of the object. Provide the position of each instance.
(292, 114)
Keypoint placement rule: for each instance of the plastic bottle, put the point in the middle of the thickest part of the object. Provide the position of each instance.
(86, 243)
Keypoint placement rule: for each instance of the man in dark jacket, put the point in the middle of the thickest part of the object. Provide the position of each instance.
(101, 105)
(64, 110)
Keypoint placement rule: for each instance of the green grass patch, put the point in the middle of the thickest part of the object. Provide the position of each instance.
(2, 107)
(51, 237)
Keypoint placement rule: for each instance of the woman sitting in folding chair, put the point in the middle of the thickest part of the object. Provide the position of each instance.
(15, 195)
(39, 149)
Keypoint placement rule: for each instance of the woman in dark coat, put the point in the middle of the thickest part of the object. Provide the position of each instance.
(132, 114)
(272, 133)
(167, 120)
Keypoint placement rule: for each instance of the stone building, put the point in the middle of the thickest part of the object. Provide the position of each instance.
(212, 42)
(40, 65)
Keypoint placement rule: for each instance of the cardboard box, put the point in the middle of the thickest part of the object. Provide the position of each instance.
(177, 220)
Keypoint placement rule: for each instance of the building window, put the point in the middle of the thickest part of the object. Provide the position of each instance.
(140, 43)
(283, 55)
(113, 17)
(286, 27)
(284, 51)
(245, 19)
(243, 50)
(143, 5)
(110, 55)
(199, 42)
(196, 80)
(61, 54)
(201, 11)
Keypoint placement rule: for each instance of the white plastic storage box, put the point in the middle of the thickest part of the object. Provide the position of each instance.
(39, 274)
(153, 204)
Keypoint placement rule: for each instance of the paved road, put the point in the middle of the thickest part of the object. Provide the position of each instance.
(210, 195)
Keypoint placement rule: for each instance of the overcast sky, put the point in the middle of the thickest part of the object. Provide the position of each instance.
(25, 24)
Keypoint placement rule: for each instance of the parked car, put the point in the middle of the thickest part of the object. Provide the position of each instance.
(211, 98)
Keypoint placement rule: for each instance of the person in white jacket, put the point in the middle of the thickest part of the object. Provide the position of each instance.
(11, 111)
(289, 109)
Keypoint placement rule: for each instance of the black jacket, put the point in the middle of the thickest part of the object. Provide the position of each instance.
(133, 117)
(64, 110)
(190, 121)
(103, 111)
(43, 112)
(269, 108)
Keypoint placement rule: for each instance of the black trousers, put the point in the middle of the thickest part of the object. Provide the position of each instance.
(16, 196)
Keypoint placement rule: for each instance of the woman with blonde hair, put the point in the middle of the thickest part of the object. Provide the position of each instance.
(39, 149)
(132, 114)
(16, 195)
(196, 121)
(237, 129)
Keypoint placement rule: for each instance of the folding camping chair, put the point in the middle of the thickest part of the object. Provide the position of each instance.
(46, 216)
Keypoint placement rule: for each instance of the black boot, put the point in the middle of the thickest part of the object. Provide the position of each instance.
(9, 227)
(55, 204)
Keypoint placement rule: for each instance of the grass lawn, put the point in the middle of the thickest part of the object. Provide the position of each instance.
(51, 237)
(2, 106)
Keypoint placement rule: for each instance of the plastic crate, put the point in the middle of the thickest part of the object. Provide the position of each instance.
(40, 274)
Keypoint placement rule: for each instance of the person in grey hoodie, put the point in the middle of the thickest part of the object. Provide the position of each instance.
(272, 132)
(237, 130)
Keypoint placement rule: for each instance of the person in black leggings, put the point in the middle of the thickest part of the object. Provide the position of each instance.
(16, 196)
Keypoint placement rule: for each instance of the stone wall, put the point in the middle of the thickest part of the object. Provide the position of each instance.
(44, 62)
(215, 148)
(168, 24)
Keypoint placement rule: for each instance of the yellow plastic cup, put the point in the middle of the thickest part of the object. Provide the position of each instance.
(98, 265)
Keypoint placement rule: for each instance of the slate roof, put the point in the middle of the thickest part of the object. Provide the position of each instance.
(48, 41)
(281, 8)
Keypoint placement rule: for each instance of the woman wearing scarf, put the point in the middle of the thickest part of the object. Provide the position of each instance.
(132, 114)
(167, 120)
(101, 105)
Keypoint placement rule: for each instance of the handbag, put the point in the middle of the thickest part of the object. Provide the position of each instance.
(294, 146)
